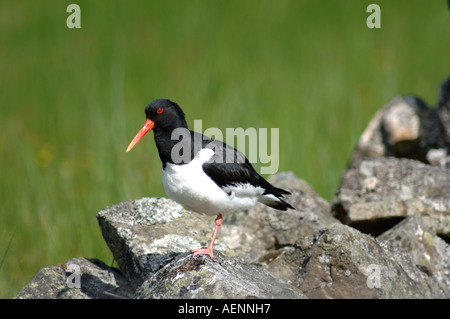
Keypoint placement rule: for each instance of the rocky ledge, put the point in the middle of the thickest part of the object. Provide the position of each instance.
(385, 235)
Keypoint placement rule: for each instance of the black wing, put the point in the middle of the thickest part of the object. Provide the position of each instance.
(229, 167)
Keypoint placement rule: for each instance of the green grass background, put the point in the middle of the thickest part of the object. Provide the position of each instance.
(72, 99)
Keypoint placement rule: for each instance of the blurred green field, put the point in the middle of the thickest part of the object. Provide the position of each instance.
(72, 99)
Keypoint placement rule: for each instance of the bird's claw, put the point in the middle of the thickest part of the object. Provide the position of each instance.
(204, 251)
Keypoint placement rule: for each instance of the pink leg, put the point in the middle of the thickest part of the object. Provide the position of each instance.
(209, 251)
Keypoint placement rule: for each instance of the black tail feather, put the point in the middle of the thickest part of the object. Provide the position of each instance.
(282, 191)
(280, 205)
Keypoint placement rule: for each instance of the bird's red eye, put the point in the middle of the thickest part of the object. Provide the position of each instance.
(159, 110)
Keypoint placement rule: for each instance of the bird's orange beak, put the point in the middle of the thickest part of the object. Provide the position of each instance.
(149, 124)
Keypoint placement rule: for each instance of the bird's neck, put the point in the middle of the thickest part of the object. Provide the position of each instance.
(174, 137)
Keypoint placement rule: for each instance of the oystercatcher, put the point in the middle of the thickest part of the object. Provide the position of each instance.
(204, 175)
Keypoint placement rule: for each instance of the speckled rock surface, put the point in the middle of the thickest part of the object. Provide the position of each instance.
(428, 253)
(78, 278)
(269, 254)
(270, 230)
(344, 263)
(199, 277)
(144, 234)
(377, 193)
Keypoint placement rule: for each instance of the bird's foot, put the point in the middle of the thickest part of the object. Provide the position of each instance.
(204, 251)
(209, 251)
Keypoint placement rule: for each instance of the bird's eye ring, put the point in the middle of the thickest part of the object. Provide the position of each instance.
(159, 110)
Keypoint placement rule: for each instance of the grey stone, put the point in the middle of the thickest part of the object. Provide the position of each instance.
(426, 251)
(377, 193)
(443, 110)
(200, 277)
(405, 127)
(78, 278)
(345, 263)
(264, 253)
(145, 234)
(439, 157)
(270, 229)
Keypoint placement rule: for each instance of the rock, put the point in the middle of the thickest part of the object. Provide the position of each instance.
(145, 234)
(405, 127)
(344, 263)
(428, 253)
(199, 277)
(443, 109)
(264, 253)
(439, 157)
(377, 193)
(268, 229)
(244, 244)
(78, 278)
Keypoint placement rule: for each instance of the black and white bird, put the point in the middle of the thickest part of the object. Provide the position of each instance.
(204, 175)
